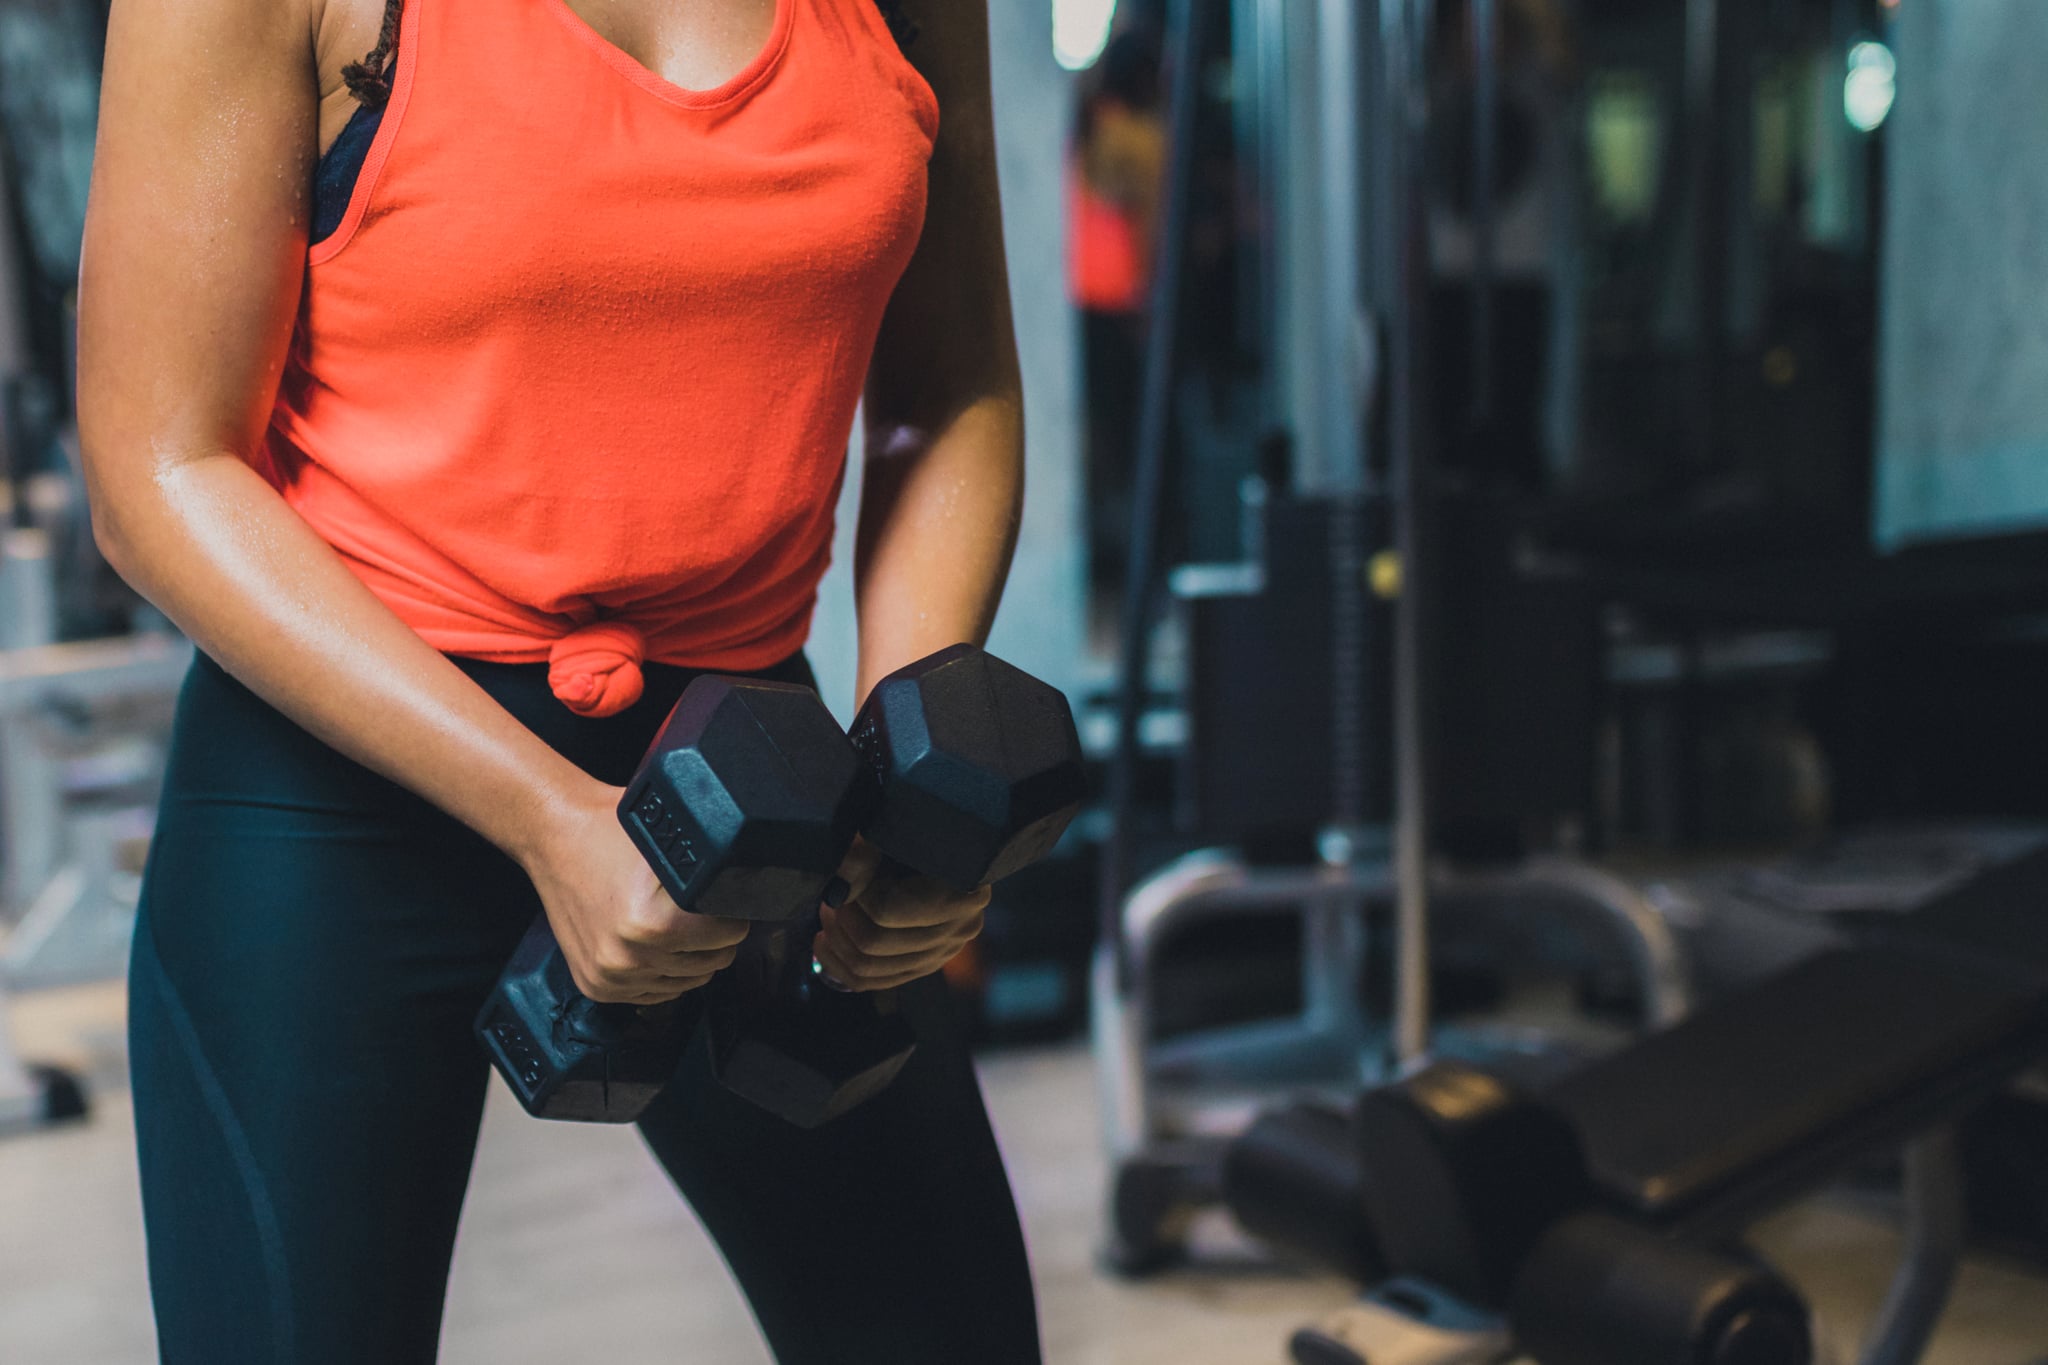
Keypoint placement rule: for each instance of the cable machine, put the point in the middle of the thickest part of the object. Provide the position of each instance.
(1325, 639)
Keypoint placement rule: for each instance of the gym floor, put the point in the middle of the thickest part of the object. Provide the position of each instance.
(648, 1287)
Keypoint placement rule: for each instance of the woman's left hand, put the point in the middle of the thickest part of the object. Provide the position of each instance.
(892, 929)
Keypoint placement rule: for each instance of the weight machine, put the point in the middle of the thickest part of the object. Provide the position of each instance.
(83, 707)
(1337, 601)
(1593, 1217)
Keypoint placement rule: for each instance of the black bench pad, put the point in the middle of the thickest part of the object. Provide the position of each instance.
(2000, 916)
(1775, 1086)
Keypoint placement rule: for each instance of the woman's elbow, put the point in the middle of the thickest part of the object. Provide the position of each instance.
(107, 499)
(108, 534)
(113, 547)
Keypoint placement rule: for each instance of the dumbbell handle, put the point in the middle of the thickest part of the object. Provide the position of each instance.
(574, 1018)
(577, 1017)
(837, 891)
(536, 1021)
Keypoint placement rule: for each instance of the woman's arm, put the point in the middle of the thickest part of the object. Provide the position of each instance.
(944, 484)
(195, 251)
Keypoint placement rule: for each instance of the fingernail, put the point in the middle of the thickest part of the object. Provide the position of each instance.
(836, 892)
(818, 970)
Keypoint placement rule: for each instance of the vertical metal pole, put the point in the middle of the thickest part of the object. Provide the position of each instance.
(1257, 60)
(1936, 1225)
(1186, 24)
(1345, 365)
(27, 785)
(30, 805)
(1404, 33)
(20, 1096)
(1709, 224)
(1301, 350)
(1485, 22)
(28, 589)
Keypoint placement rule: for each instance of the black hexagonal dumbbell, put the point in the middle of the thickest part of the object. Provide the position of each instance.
(744, 806)
(979, 772)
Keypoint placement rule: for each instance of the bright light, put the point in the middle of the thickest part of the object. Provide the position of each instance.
(1080, 30)
(1871, 87)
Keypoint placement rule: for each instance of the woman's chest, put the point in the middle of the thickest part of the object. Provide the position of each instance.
(693, 45)
(528, 178)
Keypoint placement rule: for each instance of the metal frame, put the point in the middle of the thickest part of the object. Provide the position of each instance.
(1219, 1076)
(1936, 1227)
(60, 866)
(1155, 1094)
(21, 1098)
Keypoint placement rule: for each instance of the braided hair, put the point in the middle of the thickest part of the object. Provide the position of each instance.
(369, 80)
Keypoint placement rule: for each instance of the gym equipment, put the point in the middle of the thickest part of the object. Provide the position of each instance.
(74, 782)
(1171, 1106)
(1664, 1305)
(49, 71)
(1599, 1291)
(34, 1096)
(1264, 761)
(1293, 1180)
(978, 769)
(78, 771)
(1403, 1322)
(744, 806)
(38, 1096)
(1161, 1170)
(1690, 1135)
(1459, 1176)
(1339, 598)
(49, 109)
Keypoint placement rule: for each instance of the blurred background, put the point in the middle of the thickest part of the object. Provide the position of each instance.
(1541, 509)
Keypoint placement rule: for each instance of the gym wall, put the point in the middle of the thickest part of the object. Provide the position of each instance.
(1963, 413)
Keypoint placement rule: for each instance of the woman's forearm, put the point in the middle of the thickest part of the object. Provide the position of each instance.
(938, 522)
(190, 288)
(216, 549)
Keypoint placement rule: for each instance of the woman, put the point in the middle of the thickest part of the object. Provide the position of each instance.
(458, 401)
(1115, 167)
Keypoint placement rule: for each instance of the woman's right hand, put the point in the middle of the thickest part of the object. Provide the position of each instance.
(625, 940)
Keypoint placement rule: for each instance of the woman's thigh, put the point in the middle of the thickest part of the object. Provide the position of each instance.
(313, 945)
(888, 1235)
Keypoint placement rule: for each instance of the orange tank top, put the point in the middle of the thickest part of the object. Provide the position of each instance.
(574, 378)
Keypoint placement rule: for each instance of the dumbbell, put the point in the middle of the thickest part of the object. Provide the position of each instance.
(744, 806)
(978, 771)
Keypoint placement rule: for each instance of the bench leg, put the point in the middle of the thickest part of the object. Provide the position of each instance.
(1934, 1249)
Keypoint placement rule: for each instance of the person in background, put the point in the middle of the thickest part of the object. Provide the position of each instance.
(1115, 173)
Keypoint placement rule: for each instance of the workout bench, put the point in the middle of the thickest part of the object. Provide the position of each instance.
(1597, 1221)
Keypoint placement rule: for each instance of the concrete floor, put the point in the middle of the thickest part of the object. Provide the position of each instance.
(652, 1288)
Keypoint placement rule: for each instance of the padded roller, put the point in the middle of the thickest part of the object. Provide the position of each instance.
(1601, 1291)
(1292, 1179)
(1462, 1175)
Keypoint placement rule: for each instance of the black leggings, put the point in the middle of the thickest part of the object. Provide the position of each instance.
(313, 944)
